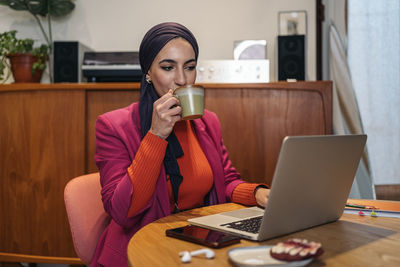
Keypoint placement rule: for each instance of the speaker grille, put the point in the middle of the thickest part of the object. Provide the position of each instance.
(291, 57)
(66, 66)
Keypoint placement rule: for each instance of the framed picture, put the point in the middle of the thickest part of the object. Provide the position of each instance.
(292, 23)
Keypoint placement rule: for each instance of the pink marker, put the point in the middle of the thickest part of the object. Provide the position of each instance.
(361, 213)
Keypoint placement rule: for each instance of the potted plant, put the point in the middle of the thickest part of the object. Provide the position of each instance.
(20, 57)
(43, 10)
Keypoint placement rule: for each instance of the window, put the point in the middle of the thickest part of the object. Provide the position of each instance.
(374, 60)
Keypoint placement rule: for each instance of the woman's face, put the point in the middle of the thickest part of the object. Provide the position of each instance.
(174, 66)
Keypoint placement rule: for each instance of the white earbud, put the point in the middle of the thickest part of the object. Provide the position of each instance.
(186, 256)
(209, 253)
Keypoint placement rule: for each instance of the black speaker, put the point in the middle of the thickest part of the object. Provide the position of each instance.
(291, 57)
(68, 56)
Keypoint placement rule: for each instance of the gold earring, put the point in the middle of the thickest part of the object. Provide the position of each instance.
(148, 79)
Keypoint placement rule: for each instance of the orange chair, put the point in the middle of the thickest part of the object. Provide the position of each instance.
(86, 215)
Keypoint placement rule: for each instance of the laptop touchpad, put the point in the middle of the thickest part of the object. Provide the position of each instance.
(244, 213)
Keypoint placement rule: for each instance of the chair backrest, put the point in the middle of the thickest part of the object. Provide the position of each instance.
(86, 215)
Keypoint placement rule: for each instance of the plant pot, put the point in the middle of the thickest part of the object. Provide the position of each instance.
(21, 68)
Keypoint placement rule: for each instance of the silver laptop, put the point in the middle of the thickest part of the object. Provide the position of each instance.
(311, 184)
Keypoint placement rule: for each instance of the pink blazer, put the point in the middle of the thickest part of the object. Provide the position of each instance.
(117, 140)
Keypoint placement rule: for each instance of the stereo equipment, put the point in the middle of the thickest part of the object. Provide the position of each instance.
(291, 57)
(68, 56)
(233, 71)
(112, 67)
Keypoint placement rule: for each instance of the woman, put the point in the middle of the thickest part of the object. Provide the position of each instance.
(151, 162)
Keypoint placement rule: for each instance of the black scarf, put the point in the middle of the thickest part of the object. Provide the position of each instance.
(154, 40)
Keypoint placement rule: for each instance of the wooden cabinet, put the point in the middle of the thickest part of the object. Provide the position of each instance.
(256, 117)
(47, 137)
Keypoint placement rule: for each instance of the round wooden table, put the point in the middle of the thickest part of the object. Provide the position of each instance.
(351, 241)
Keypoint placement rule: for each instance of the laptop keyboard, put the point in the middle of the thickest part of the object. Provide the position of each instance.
(251, 225)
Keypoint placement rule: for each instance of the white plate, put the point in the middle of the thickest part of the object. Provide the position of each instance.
(259, 256)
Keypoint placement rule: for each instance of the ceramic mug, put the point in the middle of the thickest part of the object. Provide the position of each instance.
(191, 99)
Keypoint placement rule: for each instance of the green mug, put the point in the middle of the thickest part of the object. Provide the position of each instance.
(191, 99)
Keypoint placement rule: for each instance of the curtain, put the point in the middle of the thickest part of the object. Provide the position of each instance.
(346, 118)
(374, 60)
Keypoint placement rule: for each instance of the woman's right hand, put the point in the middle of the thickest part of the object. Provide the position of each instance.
(165, 115)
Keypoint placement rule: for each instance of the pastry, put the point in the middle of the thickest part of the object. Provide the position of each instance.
(296, 250)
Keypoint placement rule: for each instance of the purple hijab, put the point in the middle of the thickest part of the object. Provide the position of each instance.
(154, 40)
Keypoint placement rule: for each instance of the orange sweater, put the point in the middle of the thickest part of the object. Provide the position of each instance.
(193, 166)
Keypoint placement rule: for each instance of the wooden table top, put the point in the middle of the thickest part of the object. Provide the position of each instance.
(353, 240)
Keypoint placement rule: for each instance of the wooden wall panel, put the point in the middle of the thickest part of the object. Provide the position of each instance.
(255, 121)
(388, 192)
(99, 102)
(41, 144)
(47, 138)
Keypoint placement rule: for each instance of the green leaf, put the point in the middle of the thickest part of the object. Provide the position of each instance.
(4, 2)
(38, 7)
(56, 8)
(60, 8)
(15, 4)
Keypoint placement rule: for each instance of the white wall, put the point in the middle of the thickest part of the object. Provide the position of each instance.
(120, 25)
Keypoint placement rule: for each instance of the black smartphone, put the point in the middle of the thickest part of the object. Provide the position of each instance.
(203, 236)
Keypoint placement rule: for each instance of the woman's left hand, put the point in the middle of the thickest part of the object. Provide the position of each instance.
(262, 196)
